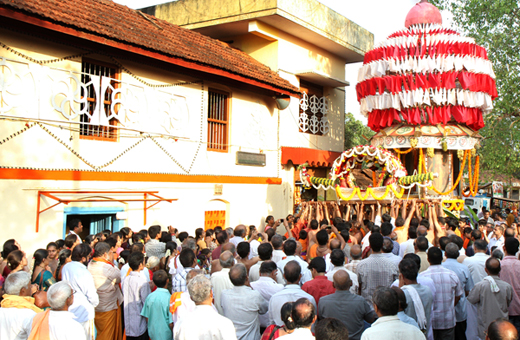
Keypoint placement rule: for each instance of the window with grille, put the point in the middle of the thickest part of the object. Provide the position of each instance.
(218, 119)
(313, 110)
(94, 68)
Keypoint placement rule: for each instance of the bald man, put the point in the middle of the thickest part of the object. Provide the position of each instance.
(215, 264)
(242, 305)
(220, 280)
(492, 296)
(291, 292)
(333, 306)
(303, 315)
(501, 330)
(333, 244)
(187, 305)
(239, 234)
(355, 254)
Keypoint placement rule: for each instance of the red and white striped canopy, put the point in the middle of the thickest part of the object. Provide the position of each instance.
(426, 75)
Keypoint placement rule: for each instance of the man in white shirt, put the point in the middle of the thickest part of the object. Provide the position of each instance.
(337, 259)
(388, 246)
(57, 323)
(477, 263)
(203, 323)
(304, 315)
(17, 304)
(267, 286)
(82, 283)
(408, 245)
(175, 262)
(291, 292)
(265, 252)
(239, 234)
(254, 243)
(388, 326)
(277, 242)
(289, 248)
(242, 305)
(477, 268)
(384, 217)
(497, 238)
(75, 227)
(220, 280)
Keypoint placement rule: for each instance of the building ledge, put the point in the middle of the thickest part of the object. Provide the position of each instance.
(308, 20)
(322, 79)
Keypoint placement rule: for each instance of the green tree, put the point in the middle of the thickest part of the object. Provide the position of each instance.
(495, 25)
(356, 133)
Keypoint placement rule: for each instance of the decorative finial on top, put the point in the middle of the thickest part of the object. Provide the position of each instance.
(423, 13)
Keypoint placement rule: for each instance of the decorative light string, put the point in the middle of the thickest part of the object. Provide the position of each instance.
(79, 55)
(139, 79)
(27, 127)
(44, 62)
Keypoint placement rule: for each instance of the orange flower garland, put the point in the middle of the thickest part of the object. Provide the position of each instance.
(473, 178)
(458, 178)
(403, 152)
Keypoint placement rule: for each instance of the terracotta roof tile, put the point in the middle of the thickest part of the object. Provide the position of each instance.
(122, 24)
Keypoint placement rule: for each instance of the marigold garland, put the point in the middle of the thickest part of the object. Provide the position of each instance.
(473, 178)
(458, 178)
(369, 192)
(421, 161)
(453, 204)
(397, 151)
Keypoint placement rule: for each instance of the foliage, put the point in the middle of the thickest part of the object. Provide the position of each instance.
(496, 26)
(355, 130)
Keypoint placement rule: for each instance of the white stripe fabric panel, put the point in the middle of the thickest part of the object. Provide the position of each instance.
(408, 99)
(429, 40)
(378, 68)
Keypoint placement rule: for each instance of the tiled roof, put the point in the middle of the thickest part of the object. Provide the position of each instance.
(124, 25)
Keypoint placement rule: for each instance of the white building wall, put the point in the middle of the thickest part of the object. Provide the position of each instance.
(56, 145)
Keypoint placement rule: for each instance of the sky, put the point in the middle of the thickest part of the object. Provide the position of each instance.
(381, 17)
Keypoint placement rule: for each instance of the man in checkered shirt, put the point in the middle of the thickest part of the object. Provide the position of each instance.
(188, 261)
(376, 270)
(449, 292)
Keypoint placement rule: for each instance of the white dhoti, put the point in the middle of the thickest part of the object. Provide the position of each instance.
(89, 329)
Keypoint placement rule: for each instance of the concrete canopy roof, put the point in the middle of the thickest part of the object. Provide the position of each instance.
(308, 20)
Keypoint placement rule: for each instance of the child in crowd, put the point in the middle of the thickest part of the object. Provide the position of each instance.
(157, 309)
(135, 290)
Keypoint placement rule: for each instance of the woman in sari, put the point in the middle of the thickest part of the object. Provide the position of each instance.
(42, 274)
(63, 258)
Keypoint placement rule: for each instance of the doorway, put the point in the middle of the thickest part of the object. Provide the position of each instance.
(94, 219)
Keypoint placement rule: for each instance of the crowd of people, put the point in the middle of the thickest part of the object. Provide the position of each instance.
(350, 271)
